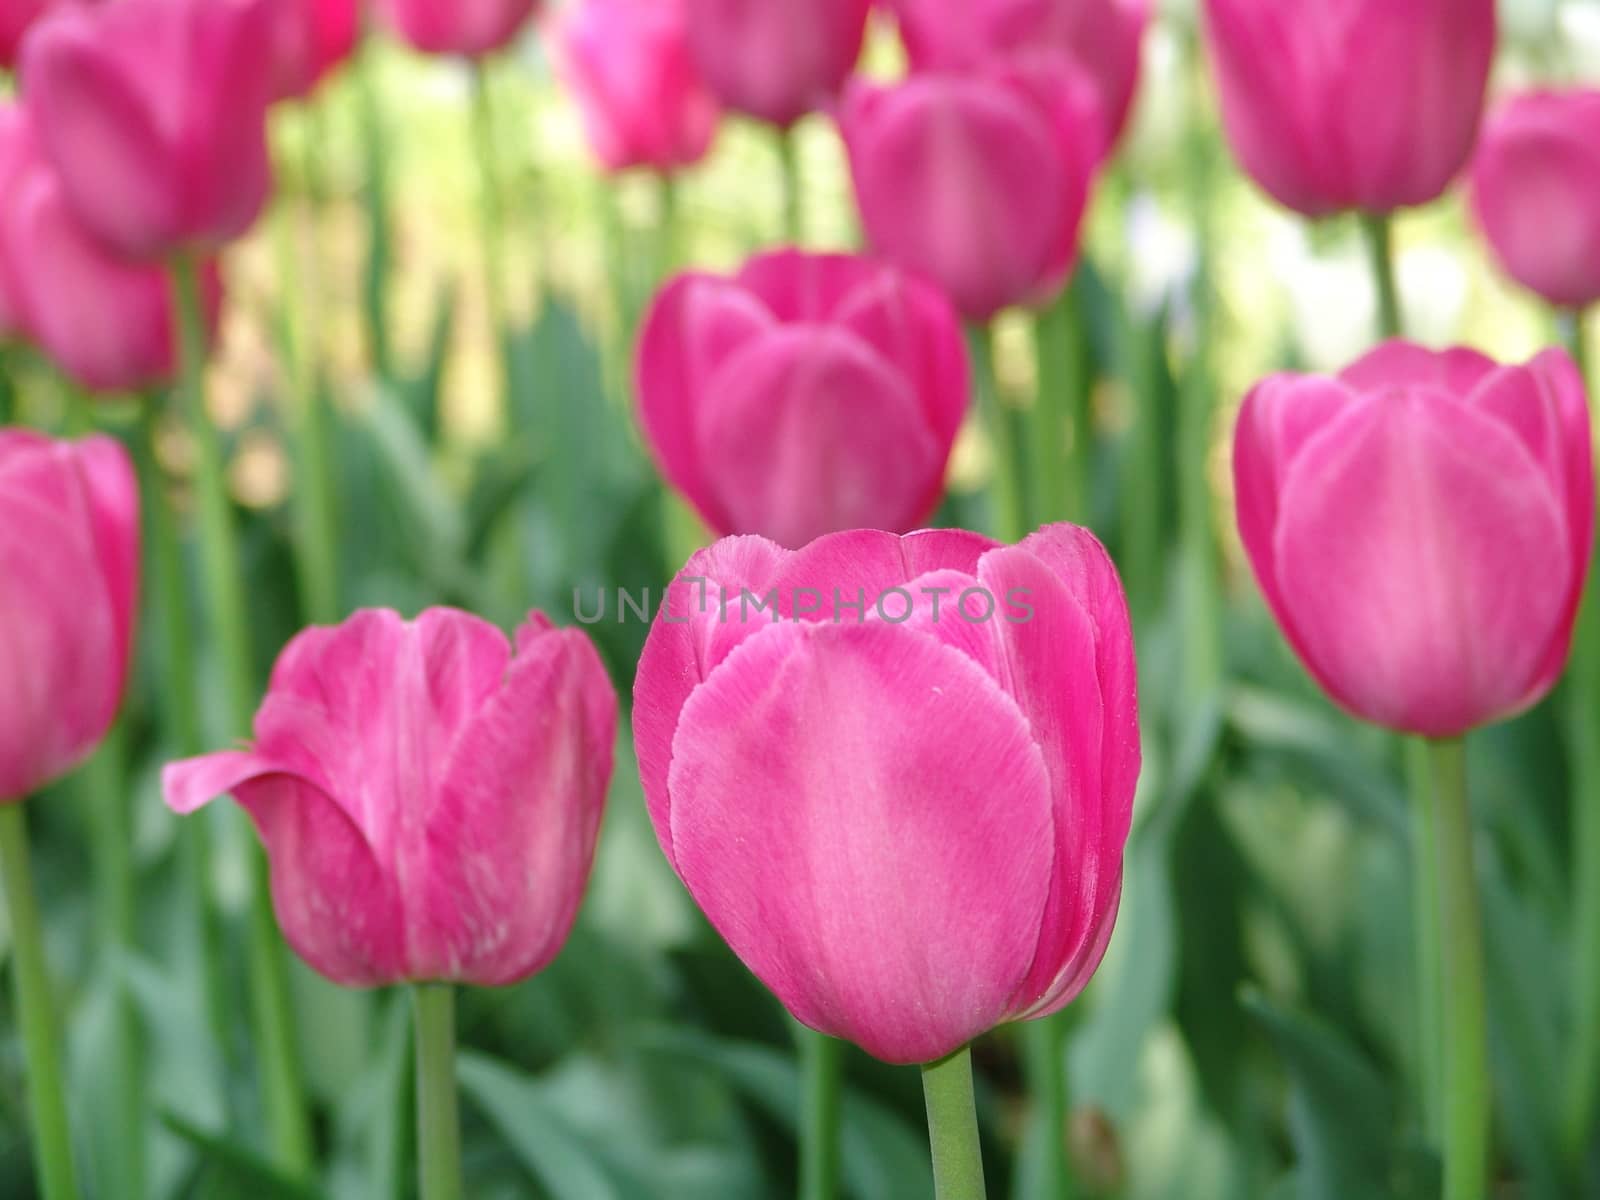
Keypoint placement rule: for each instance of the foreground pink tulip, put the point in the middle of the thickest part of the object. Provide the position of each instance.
(1421, 527)
(977, 179)
(903, 797)
(472, 28)
(627, 62)
(777, 60)
(808, 394)
(69, 583)
(429, 799)
(1536, 193)
(1103, 38)
(153, 113)
(1352, 104)
(311, 38)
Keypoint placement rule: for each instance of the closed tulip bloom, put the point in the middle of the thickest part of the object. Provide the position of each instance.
(777, 60)
(153, 113)
(472, 28)
(1103, 38)
(310, 39)
(1352, 104)
(69, 584)
(977, 179)
(1536, 193)
(1421, 527)
(628, 65)
(429, 796)
(904, 798)
(807, 394)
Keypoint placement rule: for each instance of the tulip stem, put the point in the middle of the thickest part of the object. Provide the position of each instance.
(1061, 441)
(223, 572)
(1465, 1087)
(1426, 930)
(794, 198)
(493, 220)
(1379, 231)
(1045, 1049)
(438, 1119)
(375, 152)
(1010, 495)
(823, 1062)
(41, 1040)
(953, 1128)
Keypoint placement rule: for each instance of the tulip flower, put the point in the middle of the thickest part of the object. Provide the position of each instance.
(1103, 38)
(16, 154)
(1536, 193)
(807, 394)
(153, 113)
(1352, 104)
(1421, 528)
(471, 28)
(901, 791)
(311, 38)
(627, 63)
(429, 798)
(16, 16)
(777, 60)
(977, 179)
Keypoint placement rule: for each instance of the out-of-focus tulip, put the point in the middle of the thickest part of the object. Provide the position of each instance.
(16, 150)
(69, 583)
(777, 60)
(1421, 526)
(977, 179)
(1103, 38)
(153, 113)
(1352, 104)
(311, 38)
(1536, 193)
(807, 394)
(473, 28)
(903, 800)
(16, 16)
(627, 63)
(429, 798)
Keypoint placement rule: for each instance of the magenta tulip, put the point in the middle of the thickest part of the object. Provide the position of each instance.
(777, 60)
(472, 28)
(1352, 104)
(1103, 38)
(977, 179)
(429, 797)
(153, 113)
(16, 153)
(627, 63)
(807, 394)
(902, 791)
(69, 584)
(16, 17)
(1421, 526)
(1536, 193)
(311, 39)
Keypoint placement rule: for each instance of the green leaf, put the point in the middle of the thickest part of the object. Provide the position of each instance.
(232, 1169)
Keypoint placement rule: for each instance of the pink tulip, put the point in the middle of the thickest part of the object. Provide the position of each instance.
(472, 28)
(977, 179)
(777, 60)
(69, 583)
(1352, 104)
(1421, 526)
(903, 792)
(1103, 38)
(16, 153)
(153, 113)
(627, 62)
(1536, 193)
(808, 394)
(429, 798)
(311, 39)
(16, 16)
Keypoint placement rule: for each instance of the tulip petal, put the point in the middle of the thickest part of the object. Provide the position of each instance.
(1405, 364)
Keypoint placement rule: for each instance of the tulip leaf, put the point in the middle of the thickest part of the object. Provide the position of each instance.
(228, 1168)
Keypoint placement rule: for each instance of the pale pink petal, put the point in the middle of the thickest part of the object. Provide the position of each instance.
(1403, 364)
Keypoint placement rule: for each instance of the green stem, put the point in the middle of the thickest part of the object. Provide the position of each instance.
(492, 215)
(823, 1061)
(375, 282)
(1044, 1059)
(1379, 231)
(1143, 485)
(794, 200)
(669, 231)
(41, 1040)
(1465, 1091)
(1061, 440)
(223, 572)
(1009, 491)
(1426, 930)
(953, 1128)
(438, 1121)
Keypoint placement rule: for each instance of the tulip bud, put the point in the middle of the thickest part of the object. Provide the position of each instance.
(977, 180)
(153, 114)
(901, 793)
(777, 60)
(69, 583)
(1536, 193)
(1352, 104)
(429, 798)
(1421, 527)
(310, 39)
(472, 28)
(627, 63)
(808, 394)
